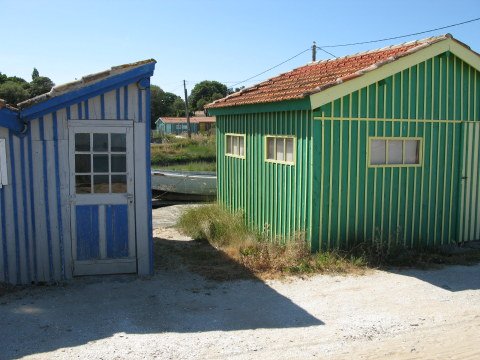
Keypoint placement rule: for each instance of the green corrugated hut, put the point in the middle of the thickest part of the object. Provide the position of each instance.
(383, 144)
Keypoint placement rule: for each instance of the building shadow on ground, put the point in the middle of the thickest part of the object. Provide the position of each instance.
(183, 297)
(452, 277)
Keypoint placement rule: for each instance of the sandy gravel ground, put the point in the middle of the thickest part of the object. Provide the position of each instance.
(177, 314)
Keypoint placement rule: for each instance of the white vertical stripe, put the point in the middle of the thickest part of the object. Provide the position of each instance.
(40, 218)
(474, 182)
(74, 112)
(94, 108)
(52, 210)
(10, 221)
(20, 220)
(65, 204)
(133, 102)
(110, 105)
(62, 125)
(123, 116)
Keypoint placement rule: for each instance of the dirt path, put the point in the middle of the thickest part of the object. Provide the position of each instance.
(178, 314)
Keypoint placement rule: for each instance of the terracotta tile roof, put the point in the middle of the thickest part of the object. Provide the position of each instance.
(317, 76)
(84, 81)
(194, 119)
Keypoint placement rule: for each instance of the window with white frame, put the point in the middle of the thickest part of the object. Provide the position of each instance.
(3, 164)
(280, 149)
(235, 145)
(395, 151)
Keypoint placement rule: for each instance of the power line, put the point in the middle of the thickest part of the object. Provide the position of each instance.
(273, 67)
(329, 53)
(351, 44)
(401, 36)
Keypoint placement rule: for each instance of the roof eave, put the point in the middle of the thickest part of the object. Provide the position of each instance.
(55, 103)
(10, 119)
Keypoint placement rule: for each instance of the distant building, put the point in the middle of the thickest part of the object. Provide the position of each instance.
(178, 125)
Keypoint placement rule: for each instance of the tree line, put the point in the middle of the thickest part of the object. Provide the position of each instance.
(168, 104)
(14, 89)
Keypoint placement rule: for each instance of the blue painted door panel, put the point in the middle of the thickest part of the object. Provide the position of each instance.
(87, 232)
(117, 231)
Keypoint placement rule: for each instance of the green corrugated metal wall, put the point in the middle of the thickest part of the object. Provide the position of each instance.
(332, 195)
(275, 197)
(410, 205)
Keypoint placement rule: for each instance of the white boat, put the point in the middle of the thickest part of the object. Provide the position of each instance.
(186, 185)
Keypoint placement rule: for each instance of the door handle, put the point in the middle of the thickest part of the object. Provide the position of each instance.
(130, 198)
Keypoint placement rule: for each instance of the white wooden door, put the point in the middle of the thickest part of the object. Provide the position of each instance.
(102, 197)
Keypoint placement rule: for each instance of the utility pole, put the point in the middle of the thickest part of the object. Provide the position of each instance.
(186, 110)
(314, 52)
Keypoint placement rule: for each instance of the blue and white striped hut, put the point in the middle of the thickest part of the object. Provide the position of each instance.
(75, 194)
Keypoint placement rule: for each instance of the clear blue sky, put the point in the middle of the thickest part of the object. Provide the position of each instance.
(227, 41)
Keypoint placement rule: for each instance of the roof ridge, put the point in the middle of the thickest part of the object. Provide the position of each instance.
(320, 77)
(83, 81)
(389, 47)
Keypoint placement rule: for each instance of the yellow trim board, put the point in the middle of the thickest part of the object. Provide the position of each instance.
(338, 118)
(244, 146)
(265, 152)
(387, 138)
(371, 77)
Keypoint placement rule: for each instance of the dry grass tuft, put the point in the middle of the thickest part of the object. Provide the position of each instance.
(265, 258)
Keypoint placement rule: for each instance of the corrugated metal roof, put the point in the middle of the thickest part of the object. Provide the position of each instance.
(83, 82)
(318, 76)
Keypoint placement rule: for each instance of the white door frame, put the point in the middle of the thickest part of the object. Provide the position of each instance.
(104, 265)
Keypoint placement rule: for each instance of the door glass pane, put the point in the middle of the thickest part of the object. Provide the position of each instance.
(83, 184)
(241, 145)
(280, 150)
(82, 163)
(118, 142)
(119, 183)
(377, 152)
(100, 142)
(412, 152)
(271, 148)
(100, 163)
(119, 163)
(395, 151)
(100, 184)
(289, 150)
(82, 142)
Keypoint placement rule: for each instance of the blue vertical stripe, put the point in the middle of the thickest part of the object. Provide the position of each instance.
(59, 195)
(68, 113)
(87, 113)
(15, 205)
(116, 223)
(79, 110)
(125, 102)
(87, 232)
(140, 106)
(102, 106)
(45, 198)
(32, 205)
(148, 174)
(4, 235)
(117, 99)
(25, 210)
